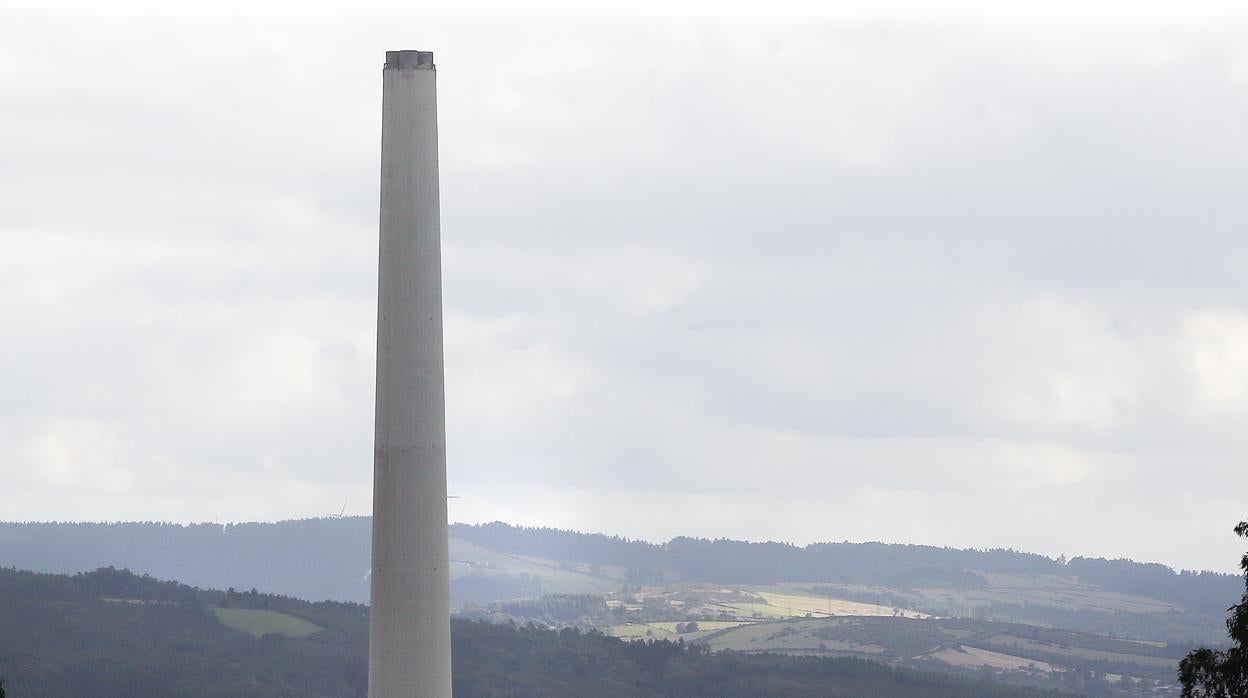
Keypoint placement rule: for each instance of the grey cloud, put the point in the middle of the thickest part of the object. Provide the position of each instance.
(888, 272)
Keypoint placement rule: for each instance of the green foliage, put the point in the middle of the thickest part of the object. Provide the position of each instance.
(60, 636)
(1207, 673)
(111, 633)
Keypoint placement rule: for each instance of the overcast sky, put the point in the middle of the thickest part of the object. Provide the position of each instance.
(947, 273)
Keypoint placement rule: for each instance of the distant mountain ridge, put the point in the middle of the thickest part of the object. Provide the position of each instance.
(328, 558)
(883, 564)
(313, 559)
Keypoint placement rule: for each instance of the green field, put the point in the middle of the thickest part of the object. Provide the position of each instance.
(260, 622)
(634, 630)
(667, 629)
(703, 625)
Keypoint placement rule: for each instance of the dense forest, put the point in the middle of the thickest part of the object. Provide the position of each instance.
(110, 633)
(328, 559)
(739, 562)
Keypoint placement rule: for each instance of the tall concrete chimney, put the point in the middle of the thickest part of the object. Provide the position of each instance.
(409, 635)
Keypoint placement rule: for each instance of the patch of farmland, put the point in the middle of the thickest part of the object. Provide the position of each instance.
(1042, 590)
(959, 644)
(799, 605)
(260, 622)
(973, 657)
(849, 646)
(703, 625)
(634, 631)
(843, 635)
(1028, 646)
(743, 638)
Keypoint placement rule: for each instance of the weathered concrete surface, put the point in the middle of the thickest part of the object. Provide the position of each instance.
(409, 636)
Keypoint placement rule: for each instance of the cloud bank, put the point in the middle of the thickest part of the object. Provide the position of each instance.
(966, 277)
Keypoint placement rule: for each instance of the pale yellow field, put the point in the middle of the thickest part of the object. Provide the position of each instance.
(787, 605)
(1048, 590)
(973, 657)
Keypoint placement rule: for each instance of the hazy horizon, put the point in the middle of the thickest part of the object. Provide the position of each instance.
(656, 541)
(966, 276)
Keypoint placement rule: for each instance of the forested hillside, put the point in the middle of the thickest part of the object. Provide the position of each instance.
(877, 564)
(328, 559)
(111, 634)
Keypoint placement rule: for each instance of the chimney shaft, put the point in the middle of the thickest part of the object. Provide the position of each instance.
(409, 651)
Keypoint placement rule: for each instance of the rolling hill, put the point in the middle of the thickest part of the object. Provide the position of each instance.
(110, 633)
(328, 559)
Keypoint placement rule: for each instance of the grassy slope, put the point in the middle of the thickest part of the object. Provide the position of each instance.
(259, 622)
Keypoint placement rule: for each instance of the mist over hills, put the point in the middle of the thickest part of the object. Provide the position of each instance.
(893, 603)
(882, 564)
(328, 559)
(314, 559)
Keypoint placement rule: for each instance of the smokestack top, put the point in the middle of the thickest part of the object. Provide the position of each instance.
(409, 60)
